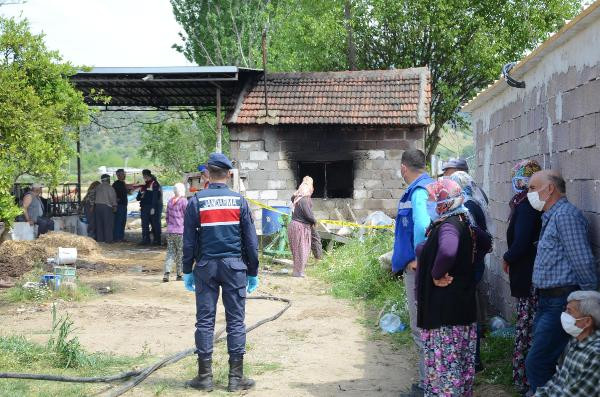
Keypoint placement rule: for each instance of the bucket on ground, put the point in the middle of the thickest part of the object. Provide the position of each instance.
(271, 220)
(66, 256)
(66, 273)
(23, 231)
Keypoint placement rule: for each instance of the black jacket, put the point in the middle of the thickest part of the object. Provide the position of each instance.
(522, 235)
(454, 304)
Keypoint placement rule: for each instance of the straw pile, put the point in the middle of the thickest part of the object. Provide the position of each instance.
(19, 257)
(53, 240)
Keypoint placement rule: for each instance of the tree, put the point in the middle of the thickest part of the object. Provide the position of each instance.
(178, 146)
(223, 32)
(463, 42)
(40, 111)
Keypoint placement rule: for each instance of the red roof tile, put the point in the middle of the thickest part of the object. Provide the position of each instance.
(374, 97)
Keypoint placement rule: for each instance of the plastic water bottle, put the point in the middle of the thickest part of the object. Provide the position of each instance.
(497, 323)
(391, 323)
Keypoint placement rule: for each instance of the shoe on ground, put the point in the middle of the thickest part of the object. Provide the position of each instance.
(166, 278)
(179, 278)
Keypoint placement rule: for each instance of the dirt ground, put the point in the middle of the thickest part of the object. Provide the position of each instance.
(319, 347)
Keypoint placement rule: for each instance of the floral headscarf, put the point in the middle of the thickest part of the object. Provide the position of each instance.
(520, 175)
(522, 172)
(447, 196)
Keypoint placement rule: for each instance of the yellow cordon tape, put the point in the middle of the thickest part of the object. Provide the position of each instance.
(327, 221)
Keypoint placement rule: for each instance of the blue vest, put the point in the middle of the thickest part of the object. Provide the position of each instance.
(404, 243)
(219, 212)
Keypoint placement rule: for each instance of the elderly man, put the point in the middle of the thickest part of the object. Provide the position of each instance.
(564, 263)
(104, 207)
(454, 165)
(579, 374)
(121, 189)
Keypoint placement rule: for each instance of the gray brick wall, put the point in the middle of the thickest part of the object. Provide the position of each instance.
(267, 157)
(558, 124)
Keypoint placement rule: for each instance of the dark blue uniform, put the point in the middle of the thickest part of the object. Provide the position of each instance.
(150, 198)
(219, 236)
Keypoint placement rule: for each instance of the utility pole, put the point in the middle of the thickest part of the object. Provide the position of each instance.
(219, 145)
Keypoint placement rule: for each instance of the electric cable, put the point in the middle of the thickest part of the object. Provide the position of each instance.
(509, 80)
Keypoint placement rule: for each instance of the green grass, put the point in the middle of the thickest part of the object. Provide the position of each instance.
(17, 354)
(19, 294)
(353, 272)
(496, 355)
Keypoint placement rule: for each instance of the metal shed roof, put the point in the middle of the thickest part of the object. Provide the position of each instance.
(163, 87)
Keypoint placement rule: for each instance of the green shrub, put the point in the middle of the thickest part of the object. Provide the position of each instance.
(354, 272)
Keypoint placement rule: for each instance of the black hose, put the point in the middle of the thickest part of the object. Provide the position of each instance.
(140, 375)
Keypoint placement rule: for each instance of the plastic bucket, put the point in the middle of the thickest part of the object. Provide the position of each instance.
(23, 231)
(66, 256)
(271, 220)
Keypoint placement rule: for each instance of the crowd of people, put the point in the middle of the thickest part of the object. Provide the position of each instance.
(441, 240)
(105, 208)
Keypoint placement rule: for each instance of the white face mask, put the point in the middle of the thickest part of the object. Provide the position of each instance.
(568, 324)
(534, 200)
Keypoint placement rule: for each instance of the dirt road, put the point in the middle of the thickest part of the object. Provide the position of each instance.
(319, 347)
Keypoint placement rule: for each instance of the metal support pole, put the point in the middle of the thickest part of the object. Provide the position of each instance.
(219, 145)
(79, 169)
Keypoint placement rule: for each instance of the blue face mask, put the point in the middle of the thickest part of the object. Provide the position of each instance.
(431, 210)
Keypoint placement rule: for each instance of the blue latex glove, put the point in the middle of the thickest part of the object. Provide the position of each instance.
(188, 282)
(252, 284)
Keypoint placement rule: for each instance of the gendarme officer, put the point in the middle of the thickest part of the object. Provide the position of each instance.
(219, 236)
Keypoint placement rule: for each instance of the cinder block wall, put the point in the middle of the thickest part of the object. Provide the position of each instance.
(555, 120)
(267, 157)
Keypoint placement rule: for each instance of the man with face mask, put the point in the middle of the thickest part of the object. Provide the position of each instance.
(564, 263)
(411, 222)
(579, 374)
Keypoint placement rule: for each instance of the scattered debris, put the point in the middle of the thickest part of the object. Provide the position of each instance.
(385, 260)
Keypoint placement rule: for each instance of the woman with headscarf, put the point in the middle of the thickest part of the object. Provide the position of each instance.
(446, 313)
(88, 208)
(523, 232)
(476, 207)
(174, 216)
(299, 230)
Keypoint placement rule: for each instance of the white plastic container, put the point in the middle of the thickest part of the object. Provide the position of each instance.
(23, 231)
(66, 256)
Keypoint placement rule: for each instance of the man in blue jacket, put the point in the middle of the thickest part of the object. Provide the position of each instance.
(220, 238)
(411, 222)
(151, 205)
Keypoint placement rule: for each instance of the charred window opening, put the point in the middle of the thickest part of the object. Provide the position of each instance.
(332, 179)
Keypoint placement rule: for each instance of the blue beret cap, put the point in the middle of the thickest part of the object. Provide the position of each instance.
(219, 160)
(201, 168)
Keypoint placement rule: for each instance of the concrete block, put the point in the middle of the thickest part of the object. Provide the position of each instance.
(376, 154)
(360, 194)
(375, 204)
(395, 134)
(257, 183)
(276, 184)
(371, 184)
(283, 165)
(253, 194)
(392, 184)
(278, 203)
(415, 134)
(588, 129)
(246, 165)
(382, 194)
(258, 155)
(394, 154)
(252, 145)
(392, 164)
(398, 144)
(390, 205)
(268, 195)
(285, 195)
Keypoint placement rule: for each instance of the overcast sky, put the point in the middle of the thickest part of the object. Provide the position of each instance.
(105, 32)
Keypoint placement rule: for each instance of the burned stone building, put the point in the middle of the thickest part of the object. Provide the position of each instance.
(347, 130)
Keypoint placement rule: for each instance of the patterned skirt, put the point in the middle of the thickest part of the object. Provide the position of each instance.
(523, 337)
(449, 355)
(299, 236)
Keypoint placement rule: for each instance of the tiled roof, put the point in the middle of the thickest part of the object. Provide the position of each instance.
(373, 97)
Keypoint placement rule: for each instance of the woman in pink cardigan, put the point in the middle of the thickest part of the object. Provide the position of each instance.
(175, 214)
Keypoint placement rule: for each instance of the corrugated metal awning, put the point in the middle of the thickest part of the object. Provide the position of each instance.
(163, 87)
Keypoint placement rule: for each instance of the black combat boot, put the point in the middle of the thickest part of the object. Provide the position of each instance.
(204, 380)
(236, 375)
